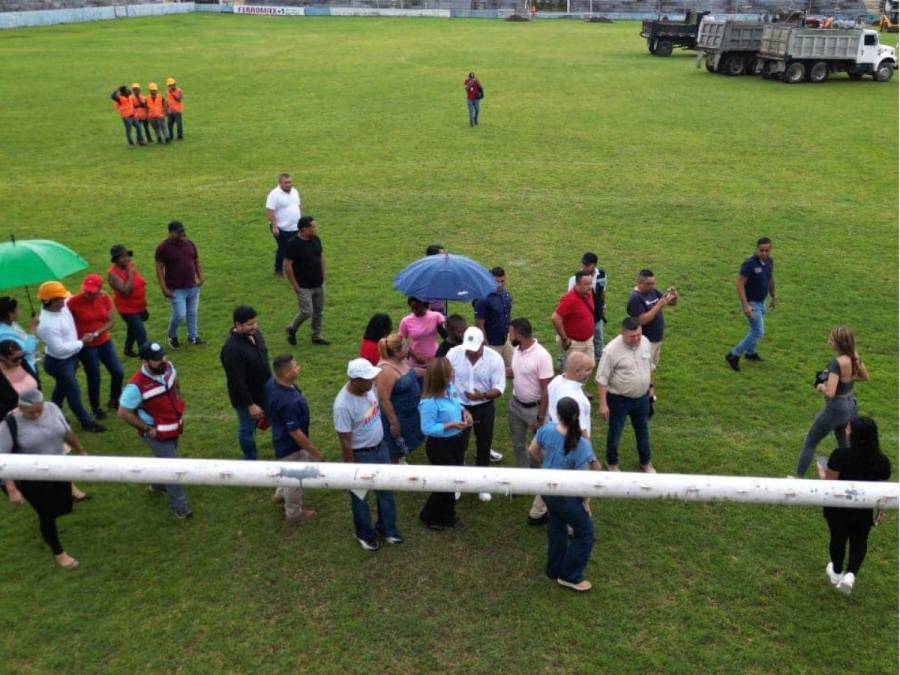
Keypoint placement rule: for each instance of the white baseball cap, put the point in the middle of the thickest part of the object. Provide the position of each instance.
(362, 369)
(473, 338)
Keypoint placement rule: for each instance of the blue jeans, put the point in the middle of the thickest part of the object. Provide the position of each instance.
(567, 560)
(757, 320)
(91, 357)
(168, 449)
(131, 122)
(638, 409)
(387, 510)
(474, 109)
(63, 371)
(174, 119)
(282, 240)
(135, 334)
(184, 306)
(598, 340)
(246, 432)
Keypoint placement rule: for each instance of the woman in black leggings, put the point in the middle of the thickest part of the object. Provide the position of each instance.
(862, 461)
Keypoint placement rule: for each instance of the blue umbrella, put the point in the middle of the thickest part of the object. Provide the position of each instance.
(445, 276)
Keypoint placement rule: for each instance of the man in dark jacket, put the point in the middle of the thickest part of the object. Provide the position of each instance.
(246, 362)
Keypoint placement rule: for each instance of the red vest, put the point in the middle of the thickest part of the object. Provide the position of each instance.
(162, 402)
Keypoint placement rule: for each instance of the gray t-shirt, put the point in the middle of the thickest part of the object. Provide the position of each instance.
(360, 416)
(43, 436)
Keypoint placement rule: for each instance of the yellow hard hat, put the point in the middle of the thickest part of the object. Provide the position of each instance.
(152, 86)
(135, 85)
(171, 80)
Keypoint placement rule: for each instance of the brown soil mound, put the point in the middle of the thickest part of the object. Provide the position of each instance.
(599, 19)
(517, 17)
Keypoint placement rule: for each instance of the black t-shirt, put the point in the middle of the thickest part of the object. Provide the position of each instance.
(444, 347)
(851, 466)
(640, 303)
(306, 256)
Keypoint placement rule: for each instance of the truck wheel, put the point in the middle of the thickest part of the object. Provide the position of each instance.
(819, 72)
(734, 65)
(794, 72)
(663, 48)
(754, 66)
(884, 72)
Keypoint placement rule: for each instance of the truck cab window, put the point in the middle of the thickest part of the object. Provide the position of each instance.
(870, 40)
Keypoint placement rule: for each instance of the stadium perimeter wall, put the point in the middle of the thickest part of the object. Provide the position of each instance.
(24, 13)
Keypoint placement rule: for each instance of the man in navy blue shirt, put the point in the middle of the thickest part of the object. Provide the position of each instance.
(646, 304)
(288, 411)
(493, 314)
(755, 280)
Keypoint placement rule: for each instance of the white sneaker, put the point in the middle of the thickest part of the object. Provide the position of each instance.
(496, 456)
(845, 585)
(833, 576)
(484, 496)
(457, 495)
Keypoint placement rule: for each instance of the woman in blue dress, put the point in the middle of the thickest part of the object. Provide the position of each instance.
(398, 395)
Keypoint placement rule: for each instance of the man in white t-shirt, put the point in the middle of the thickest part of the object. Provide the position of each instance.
(283, 212)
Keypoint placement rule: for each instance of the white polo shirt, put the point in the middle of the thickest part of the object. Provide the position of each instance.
(561, 387)
(488, 372)
(286, 206)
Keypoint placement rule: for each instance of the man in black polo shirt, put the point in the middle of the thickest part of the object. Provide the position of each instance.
(755, 280)
(305, 272)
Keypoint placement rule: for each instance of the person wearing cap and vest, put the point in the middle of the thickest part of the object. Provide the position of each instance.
(92, 311)
(123, 103)
(175, 106)
(139, 103)
(56, 328)
(151, 402)
(129, 295)
(156, 113)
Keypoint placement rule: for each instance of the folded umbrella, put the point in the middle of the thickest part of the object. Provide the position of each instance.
(445, 276)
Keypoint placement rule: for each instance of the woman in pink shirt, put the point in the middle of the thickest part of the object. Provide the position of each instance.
(421, 327)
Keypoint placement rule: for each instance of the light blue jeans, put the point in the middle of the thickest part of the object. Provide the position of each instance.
(757, 320)
(474, 109)
(598, 340)
(184, 307)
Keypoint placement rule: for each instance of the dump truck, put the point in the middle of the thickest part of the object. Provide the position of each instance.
(795, 54)
(663, 35)
(729, 46)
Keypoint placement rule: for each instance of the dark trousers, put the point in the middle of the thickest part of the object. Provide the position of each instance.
(281, 242)
(66, 387)
(159, 128)
(174, 118)
(566, 560)
(638, 409)
(440, 509)
(135, 334)
(146, 124)
(853, 529)
(91, 358)
(47, 526)
(483, 427)
(131, 122)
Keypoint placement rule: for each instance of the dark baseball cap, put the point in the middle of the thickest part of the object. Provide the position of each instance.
(118, 251)
(152, 351)
(176, 226)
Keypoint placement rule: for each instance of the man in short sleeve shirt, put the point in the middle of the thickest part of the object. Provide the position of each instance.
(755, 281)
(646, 305)
(180, 277)
(283, 212)
(573, 318)
(598, 288)
(493, 314)
(305, 271)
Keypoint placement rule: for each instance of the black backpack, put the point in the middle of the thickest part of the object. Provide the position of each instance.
(480, 93)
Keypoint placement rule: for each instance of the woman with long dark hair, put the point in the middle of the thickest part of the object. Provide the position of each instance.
(862, 461)
(561, 445)
(379, 326)
(840, 404)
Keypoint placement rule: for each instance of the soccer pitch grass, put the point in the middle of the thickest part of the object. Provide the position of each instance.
(586, 143)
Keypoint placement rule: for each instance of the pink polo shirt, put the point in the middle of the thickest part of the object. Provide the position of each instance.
(422, 333)
(529, 367)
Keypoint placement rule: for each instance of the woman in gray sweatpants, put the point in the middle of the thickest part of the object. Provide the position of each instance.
(840, 403)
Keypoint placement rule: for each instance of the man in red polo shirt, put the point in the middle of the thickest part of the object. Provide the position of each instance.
(92, 311)
(573, 319)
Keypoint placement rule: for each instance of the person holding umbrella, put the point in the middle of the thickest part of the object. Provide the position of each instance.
(62, 346)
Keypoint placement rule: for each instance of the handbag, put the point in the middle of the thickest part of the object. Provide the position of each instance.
(145, 315)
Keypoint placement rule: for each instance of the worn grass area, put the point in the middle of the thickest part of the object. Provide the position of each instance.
(587, 142)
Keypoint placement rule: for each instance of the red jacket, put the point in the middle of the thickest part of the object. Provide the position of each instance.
(472, 89)
(162, 402)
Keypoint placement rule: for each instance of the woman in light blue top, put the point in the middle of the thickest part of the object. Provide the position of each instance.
(442, 419)
(10, 330)
(562, 446)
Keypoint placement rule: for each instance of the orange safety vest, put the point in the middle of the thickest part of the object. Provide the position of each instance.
(138, 103)
(155, 108)
(174, 104)
(124, 105)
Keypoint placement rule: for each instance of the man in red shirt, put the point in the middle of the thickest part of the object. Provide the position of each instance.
(92, 311)
(473, 98)
(573, 319)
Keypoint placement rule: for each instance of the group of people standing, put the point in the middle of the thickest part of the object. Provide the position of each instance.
(161, 113)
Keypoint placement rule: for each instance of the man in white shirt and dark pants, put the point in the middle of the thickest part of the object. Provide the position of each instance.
(283, 212)
(479, 376)
(62, 346)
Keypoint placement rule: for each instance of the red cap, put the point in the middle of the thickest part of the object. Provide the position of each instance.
(92, 283)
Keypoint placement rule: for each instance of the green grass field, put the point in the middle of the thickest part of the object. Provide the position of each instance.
(587, 143)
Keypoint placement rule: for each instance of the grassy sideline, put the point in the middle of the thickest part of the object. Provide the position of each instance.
(587, 142)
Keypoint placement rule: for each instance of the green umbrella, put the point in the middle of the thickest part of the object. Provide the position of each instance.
(34, 261)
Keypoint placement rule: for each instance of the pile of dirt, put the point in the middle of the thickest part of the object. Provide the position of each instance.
(517, 17)
(599, 19)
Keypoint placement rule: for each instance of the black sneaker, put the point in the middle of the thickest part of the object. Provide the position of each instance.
(291, 337)
(94, 427)
(320, 341)
(184, 513)
(369, 545)
(112, 405)
(196, 341)
(733, 361)
(130, 353)
(173, 342)
(536, 522)
(753, 357)
(99, 414)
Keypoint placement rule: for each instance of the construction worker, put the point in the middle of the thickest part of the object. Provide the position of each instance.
(175, 104)
(156, 113)
(140, 108)
(122, 103)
